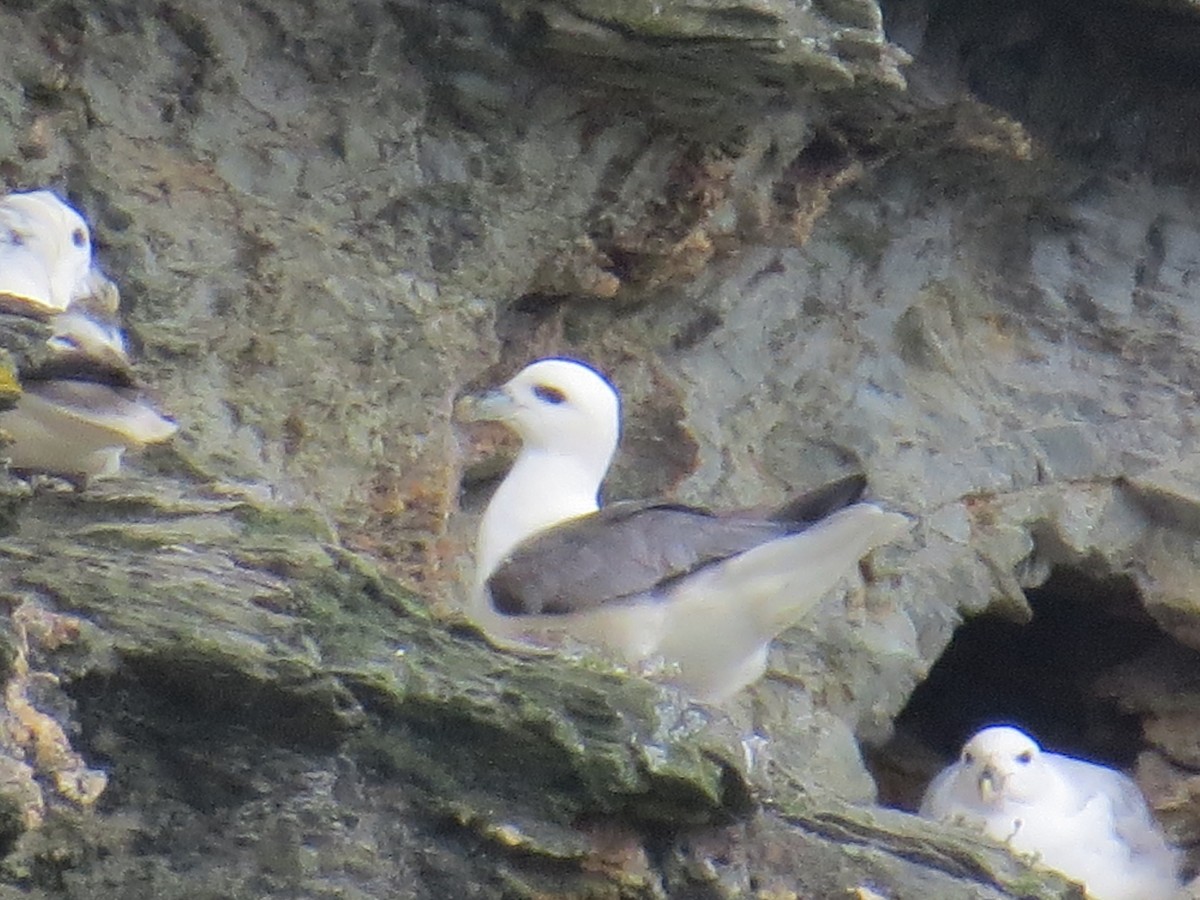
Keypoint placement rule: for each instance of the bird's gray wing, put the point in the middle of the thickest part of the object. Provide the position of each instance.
(623, 550)
(813, 506)
(94, 405)
(79, 367)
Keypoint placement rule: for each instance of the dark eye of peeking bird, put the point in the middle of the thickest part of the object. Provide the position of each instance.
(547, 394)
(78, 238)
(1025, 758)
(968, 757)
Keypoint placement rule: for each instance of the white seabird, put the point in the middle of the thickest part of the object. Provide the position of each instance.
(45, 255)
(79, 413)
(651, 583)
(1086, 821)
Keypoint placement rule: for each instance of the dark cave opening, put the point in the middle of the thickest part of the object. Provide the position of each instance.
(1042, 676)
(1089, 78)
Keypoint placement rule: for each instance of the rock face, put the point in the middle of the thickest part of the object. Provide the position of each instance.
(953, 245)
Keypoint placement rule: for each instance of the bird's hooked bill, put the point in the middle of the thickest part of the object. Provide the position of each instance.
(488, 406)
(991, 783)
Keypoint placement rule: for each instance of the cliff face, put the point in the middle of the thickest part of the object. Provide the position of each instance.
(951, 244)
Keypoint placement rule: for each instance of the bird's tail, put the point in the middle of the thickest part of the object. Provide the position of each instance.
(781, 580)
(725, 616)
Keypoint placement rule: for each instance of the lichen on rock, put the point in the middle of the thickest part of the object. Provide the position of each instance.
(952, 246)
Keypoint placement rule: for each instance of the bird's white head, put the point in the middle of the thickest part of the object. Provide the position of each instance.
(49, 242)
(1005, 763)
(564, 407)
(568, 417)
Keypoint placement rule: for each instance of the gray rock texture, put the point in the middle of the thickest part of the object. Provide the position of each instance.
(954, 245)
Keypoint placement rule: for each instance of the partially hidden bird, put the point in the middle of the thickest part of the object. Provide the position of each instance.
(45, 255)
(1083, 820)
(83, 408)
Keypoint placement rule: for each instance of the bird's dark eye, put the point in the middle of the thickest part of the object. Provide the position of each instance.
(78, 238)
(548, 394)
(1025, 758)
(968, 757)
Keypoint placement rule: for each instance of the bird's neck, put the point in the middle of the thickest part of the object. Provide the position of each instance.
(542, 489)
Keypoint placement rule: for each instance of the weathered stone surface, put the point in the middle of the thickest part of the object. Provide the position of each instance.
(973, 277)
(227, 664)
(262, 712)
(714, 61)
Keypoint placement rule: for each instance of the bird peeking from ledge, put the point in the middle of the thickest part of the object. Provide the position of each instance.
(82, 409)
(652, 583)
(45, 256)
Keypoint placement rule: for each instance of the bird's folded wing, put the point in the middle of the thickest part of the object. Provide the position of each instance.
(940, 799)
(1131, 820)
(622, 551)
(93, 405)
(1087, 779)
(76, 367)
(817, 504)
